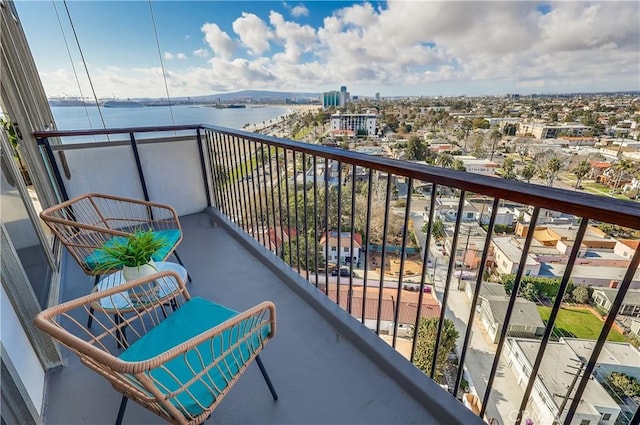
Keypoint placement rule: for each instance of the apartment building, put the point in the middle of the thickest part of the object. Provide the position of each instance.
(545, 131)
(550, 386)
(354, 124)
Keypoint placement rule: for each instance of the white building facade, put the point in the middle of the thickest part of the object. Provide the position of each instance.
(354, 123)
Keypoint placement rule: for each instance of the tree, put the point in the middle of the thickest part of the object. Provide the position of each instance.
(426, 343)
(458, 165)
(495, 137)
(528, 172)
(622, 167)
(549, 170)
(445, 159)
(580, 294)
(478, 146)
(508, 169)
(438, 228)
(308, 249)
(624, 385)
(581, 170)
(416, 149)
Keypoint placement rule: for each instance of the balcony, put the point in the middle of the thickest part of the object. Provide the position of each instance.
(239, 194)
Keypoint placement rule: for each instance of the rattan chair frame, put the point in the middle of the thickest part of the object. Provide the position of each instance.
(84, 223)
(98, 349)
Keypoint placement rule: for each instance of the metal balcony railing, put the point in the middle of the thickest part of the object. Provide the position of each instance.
(293, 197)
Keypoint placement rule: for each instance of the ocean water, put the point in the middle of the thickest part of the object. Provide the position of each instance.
(75, 117)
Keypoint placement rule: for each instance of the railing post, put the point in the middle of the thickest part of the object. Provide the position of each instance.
(136, 155)
(44, 142)
(203, 168)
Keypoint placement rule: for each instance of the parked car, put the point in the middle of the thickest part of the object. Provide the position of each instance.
(344, 272)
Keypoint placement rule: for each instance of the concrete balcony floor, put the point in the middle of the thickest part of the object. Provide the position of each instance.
(326, 366)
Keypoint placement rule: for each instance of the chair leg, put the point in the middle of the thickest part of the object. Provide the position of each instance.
(123, 406)
(90, 320)
(181, 263)
(265, 375)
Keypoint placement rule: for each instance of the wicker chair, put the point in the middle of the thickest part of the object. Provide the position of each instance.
(88, 222)
(181, 355)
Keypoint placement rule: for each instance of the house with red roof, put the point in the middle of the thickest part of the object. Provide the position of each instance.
(329, 245)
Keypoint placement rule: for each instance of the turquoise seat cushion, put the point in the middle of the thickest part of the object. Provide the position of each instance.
(193, 318)
(99, 257)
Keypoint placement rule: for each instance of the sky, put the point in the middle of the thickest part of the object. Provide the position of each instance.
(395, 48)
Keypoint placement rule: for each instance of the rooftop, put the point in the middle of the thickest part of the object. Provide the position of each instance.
(558, 359)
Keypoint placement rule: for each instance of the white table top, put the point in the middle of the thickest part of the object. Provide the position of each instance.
(121, 300)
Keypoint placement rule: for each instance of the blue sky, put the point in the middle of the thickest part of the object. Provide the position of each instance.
(397, 48)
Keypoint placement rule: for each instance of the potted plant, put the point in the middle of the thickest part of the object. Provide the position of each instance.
(133, 254)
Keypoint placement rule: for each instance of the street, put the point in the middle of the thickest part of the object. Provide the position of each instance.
(481, 352)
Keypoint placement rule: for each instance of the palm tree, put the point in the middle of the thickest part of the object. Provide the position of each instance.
(622, 167)
(458, 165)
(445, 159)
(495, 136)
(508, 171)
(581, 170)
(549, 171)
(528, 171)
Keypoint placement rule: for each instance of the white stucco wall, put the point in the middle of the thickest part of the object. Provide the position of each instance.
(172, 173)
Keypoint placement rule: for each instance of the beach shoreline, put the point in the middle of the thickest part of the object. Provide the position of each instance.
(270, 127)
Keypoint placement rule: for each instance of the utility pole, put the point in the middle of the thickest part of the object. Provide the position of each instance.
(463, 258)
(566, 397)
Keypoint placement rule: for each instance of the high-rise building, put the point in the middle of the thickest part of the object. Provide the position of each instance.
(331, 98)
(344, 96)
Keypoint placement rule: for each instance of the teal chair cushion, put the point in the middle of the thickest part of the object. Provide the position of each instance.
(193, 318)
(99, 257)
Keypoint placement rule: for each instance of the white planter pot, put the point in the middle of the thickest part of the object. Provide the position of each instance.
(133, 273)
(144, 293)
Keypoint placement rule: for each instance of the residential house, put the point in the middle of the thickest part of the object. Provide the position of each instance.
(634, 327)
(505, 216)
(448, 210)
(598, 168)
(601, 276)
(626, 247)
(604, 297)
(479, 166)
(329, 247)
(274, 237)
(554, 381)
(408, 310)
(620, 357)
(487, 289)
(525, 322)
(507, 252)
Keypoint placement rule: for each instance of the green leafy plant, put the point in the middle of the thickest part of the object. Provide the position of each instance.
(135, 251)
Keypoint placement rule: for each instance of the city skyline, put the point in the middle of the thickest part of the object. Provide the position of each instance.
(419, 48)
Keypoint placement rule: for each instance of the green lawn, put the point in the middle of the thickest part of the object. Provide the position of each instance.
(578, 323)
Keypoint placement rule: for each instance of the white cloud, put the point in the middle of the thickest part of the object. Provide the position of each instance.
(218, 40)
(297, 39)
(201, 53)
(418, 45)
(253, 33)
(299, 10)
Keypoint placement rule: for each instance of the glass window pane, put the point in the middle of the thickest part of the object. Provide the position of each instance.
(24, 237)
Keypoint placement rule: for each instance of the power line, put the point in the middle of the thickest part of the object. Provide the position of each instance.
(75, 35)
(164, 76)
(75, 73)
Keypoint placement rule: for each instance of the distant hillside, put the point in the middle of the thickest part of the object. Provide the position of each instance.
(252, 96)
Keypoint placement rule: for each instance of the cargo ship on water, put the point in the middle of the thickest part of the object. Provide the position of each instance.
(122, 104)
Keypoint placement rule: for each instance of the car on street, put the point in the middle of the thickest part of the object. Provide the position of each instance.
(344, 272)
